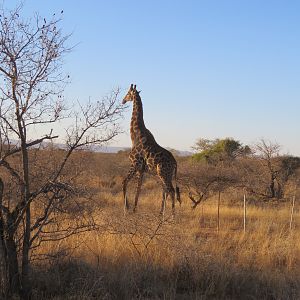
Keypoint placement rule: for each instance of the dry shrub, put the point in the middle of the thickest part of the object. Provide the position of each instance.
(182, 259)
(141, 256)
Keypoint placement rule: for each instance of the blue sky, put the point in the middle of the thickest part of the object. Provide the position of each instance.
(209, 69)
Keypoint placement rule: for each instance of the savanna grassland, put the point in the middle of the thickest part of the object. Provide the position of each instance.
(63, 231)
(142, 256)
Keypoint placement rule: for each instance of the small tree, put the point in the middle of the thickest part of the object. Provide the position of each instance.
(215, 151)
(268, 152)
(32, 82)
(288, 168)
(202, 180)
(267, 173)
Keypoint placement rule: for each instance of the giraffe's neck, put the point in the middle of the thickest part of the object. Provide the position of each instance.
(137, 126)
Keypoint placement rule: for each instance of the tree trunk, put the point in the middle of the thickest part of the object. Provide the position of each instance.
(3, 264)
(14, 285)
(3, 256)
(25, 280)
(26, 284)
(280, 190)
(272, 187)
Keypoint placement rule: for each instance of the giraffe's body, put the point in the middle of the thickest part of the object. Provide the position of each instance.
(147, 155)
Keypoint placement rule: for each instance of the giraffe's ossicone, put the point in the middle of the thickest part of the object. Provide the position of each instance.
(147, 155)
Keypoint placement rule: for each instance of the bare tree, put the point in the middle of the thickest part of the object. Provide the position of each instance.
(268, 152)
(31, 98)
(202, 180)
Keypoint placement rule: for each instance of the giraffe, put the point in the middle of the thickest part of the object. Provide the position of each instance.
(147, 156)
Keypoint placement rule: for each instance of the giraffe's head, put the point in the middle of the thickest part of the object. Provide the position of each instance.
(131, 94)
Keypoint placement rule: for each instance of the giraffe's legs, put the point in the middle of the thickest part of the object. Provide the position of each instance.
(129, 176)
(168, 189)
(171, 191)
(138, 189)
(163, 202)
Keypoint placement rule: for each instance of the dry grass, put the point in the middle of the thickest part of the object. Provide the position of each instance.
(139, 256)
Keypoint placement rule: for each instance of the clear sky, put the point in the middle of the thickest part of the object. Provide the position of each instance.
(209, 69)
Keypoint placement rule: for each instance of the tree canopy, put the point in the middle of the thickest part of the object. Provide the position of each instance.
(217, 150)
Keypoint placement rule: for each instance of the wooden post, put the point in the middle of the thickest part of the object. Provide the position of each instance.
(245, 212)
(219, 198)
(292, 213)
(201, 221)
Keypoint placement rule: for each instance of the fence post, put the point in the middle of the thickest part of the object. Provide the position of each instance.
(201, 220)
(245, 212)
(219, 200)
(292, 212)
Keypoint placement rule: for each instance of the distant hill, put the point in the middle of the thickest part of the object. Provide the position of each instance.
(109, 149)
(112, 149)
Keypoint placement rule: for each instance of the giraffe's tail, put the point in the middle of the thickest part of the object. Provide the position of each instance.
(177, 191)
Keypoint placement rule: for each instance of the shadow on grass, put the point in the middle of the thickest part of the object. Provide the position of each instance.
(137, 279)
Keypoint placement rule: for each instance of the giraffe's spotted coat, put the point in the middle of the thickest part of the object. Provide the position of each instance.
(147, 155)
